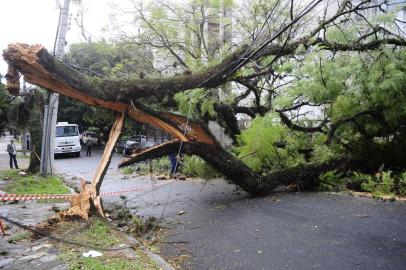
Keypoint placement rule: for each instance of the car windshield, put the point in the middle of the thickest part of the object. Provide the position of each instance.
(66, 131)
(93, 135)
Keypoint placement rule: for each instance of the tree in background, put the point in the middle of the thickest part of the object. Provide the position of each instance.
(25, 112)
(5, 100)
(100, 59)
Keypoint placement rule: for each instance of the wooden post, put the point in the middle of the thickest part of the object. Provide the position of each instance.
(105, 162)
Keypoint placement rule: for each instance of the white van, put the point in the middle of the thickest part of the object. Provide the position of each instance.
(67, 139)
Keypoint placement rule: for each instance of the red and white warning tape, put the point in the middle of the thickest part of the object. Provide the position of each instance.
(114, 193)
(28, 197)
(36, 197)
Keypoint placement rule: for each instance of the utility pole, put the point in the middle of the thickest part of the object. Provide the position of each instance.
(51, 110)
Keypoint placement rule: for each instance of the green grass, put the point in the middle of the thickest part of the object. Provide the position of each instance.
(98, 235)
(19, 236)
(33, 184)
(100, 264)
(127, 170)
(23, 157)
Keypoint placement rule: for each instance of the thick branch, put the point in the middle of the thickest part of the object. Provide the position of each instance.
(304, 176)
(285, 119)
(352, 118)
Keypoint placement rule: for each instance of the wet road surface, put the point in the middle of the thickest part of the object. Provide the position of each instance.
(224, 228)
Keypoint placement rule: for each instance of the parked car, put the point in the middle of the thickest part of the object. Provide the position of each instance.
(129, 145)
(89, 135)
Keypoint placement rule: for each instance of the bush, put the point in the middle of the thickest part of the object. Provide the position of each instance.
(161, 165)
(332, 181)
(357, 179)
(401, 185)
(127, 170)
(195, 166)
(382, 184)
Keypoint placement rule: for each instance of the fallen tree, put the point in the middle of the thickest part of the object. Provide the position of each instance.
(124, 96)
(42, 69)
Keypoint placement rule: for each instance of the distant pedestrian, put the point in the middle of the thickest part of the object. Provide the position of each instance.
(172, 158)
(28, 141)
(175, 164)
(12, 151)
(89, 144)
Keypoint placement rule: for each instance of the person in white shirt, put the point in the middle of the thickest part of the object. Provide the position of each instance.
(12, 151)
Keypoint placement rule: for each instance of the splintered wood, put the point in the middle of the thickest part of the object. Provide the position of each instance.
(105, 162)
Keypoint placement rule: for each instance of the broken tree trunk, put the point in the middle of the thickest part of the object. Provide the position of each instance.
(105, 162)
(89, 196)
(38, 66)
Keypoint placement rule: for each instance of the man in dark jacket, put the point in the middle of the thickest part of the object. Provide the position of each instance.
(12, 151)
(89, 144)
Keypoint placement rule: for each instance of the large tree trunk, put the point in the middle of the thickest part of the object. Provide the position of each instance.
(304, 177)
(35, 128)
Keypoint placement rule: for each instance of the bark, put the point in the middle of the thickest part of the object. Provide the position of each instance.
(104, 163)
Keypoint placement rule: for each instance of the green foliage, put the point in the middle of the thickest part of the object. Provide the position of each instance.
(110, 59)
(258, 145)
(358, 179)
(5, 103)
(195, 103)
(332, 181)
(323, 153)
(37, 101)
(161, 165)
(401, 186)
(102, 59)
(127, 170)
(33, 184)
(196, 167)
(382, 184)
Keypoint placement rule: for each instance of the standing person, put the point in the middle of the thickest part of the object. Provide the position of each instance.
(28, 141)
(12, 151)
(89, 144)
(172, 158)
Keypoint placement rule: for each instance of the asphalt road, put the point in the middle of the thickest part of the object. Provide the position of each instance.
(223, 228)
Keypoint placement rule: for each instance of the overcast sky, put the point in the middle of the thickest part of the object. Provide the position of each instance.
(35, 22)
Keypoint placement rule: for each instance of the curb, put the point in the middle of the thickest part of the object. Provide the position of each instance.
(164, 265)
(387, 198)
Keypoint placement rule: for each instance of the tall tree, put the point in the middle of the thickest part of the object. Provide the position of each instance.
(101, 59)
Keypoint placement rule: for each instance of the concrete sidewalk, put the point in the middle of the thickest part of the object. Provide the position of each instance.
(25, 254)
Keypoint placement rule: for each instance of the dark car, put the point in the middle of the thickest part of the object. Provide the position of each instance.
(129, 145)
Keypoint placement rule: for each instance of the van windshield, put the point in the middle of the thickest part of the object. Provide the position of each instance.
(66, 131)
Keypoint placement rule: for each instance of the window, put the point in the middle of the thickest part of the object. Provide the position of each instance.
(66, 131)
